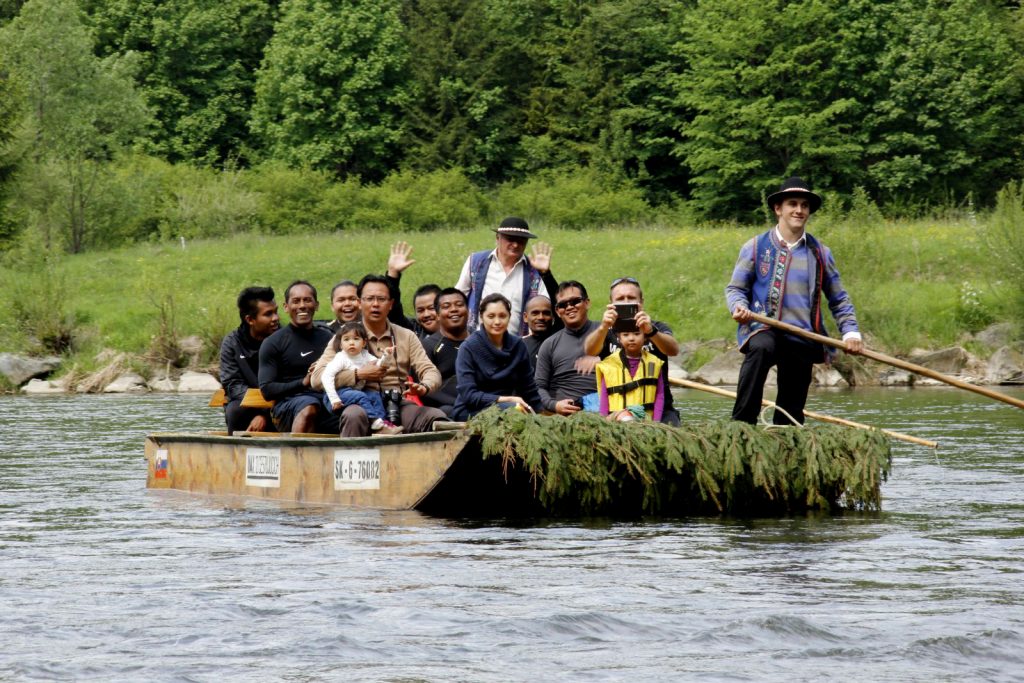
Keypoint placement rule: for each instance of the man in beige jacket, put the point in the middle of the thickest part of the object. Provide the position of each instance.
(408, 359)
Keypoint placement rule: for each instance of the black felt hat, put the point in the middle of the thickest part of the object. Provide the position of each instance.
(794, 187)
(514, 227)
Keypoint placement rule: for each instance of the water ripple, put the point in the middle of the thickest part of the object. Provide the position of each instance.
(101, 579)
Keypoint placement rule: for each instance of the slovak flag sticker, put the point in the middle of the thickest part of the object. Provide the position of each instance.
(160, 464)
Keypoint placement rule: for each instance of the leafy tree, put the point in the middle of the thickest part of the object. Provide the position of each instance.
(761, 81)
(332, 84)
(9, 9)
(10, 114)
(10, 105)
(908, 99)
(198, 65)
(945, 115)
(507, 89)
(80, 111)
(605, 91)
(467, 83)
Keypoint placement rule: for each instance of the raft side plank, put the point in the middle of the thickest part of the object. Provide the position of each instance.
(409, 467)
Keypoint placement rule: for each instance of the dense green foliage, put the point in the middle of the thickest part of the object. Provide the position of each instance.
(912, 100)
(673, 107)
(79, 112)
(197, 65)
(590, 465)
(331, 86)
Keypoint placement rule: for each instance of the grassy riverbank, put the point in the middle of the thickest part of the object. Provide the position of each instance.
(915, 284)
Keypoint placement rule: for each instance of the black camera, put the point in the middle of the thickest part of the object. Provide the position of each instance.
(392, 399)
(626, 317)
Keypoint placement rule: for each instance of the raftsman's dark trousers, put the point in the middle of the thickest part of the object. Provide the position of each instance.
(794, 361)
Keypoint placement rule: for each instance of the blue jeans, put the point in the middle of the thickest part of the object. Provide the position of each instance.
(369, 401)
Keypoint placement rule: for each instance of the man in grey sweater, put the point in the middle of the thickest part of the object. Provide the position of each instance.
(564, 372)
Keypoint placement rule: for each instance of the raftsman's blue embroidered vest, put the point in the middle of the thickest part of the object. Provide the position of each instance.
(625, 390)
(478, 263)
(771, 267)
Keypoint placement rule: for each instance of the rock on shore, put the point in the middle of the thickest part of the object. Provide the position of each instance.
(20, 369)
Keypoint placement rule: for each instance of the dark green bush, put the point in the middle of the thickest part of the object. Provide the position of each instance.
(411, 201)
(291, 200)
(574, 199)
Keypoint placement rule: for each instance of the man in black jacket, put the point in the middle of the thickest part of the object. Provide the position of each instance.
(240, 358)
(286, 359)
(442, 347)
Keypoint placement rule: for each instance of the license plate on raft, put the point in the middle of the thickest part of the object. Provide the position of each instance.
(356, 469)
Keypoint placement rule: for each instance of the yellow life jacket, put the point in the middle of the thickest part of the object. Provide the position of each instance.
(625, 390)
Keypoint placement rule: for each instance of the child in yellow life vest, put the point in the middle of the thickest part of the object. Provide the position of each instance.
(629, 382)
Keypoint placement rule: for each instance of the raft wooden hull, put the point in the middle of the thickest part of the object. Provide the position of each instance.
(392, 473)
(446, 473)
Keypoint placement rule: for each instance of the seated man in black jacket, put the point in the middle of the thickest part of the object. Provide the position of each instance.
(442, 347)
(240, 358)
(286, 359)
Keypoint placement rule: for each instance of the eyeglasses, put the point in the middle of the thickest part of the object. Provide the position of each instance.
(631, 280)
(376, 299)
(575, 301)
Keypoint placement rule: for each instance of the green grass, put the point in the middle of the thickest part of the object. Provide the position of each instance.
(905, 277)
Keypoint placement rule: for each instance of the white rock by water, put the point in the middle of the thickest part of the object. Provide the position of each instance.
(950, 361)
(163, 384)
(198, 382)
(722, 369)
(827, 376)
(20, 369)
(676, 371)
(127, 383)
(1006, 366)
(42, 386)
(997, 335)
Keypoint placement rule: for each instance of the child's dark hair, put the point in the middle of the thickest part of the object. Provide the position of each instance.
(353, 326)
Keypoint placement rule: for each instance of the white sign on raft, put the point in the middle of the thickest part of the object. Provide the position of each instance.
(263, 467)
(356, 468)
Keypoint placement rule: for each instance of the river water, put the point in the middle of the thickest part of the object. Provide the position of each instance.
(102, 579)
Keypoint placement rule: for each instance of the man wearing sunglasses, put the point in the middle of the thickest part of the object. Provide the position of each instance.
(508, 271)
(625, 294)
(564, 372)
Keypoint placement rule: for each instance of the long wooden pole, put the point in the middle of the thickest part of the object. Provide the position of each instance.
(889, 360)
(815, 416)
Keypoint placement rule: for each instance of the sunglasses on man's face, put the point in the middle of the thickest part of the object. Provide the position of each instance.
(575, 301)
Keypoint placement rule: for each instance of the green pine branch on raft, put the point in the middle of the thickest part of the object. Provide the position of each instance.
(588, 464)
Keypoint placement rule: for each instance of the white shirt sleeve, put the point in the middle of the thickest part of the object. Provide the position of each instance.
(463, 283)
(337, 364)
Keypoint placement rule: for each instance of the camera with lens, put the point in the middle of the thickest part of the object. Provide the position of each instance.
(392, 399)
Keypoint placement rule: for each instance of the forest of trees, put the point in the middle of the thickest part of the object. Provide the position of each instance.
(126, 120)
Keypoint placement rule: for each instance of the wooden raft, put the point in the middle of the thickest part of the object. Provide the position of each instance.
(389, 472)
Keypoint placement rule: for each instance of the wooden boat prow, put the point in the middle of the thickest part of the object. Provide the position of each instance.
(387, 472)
